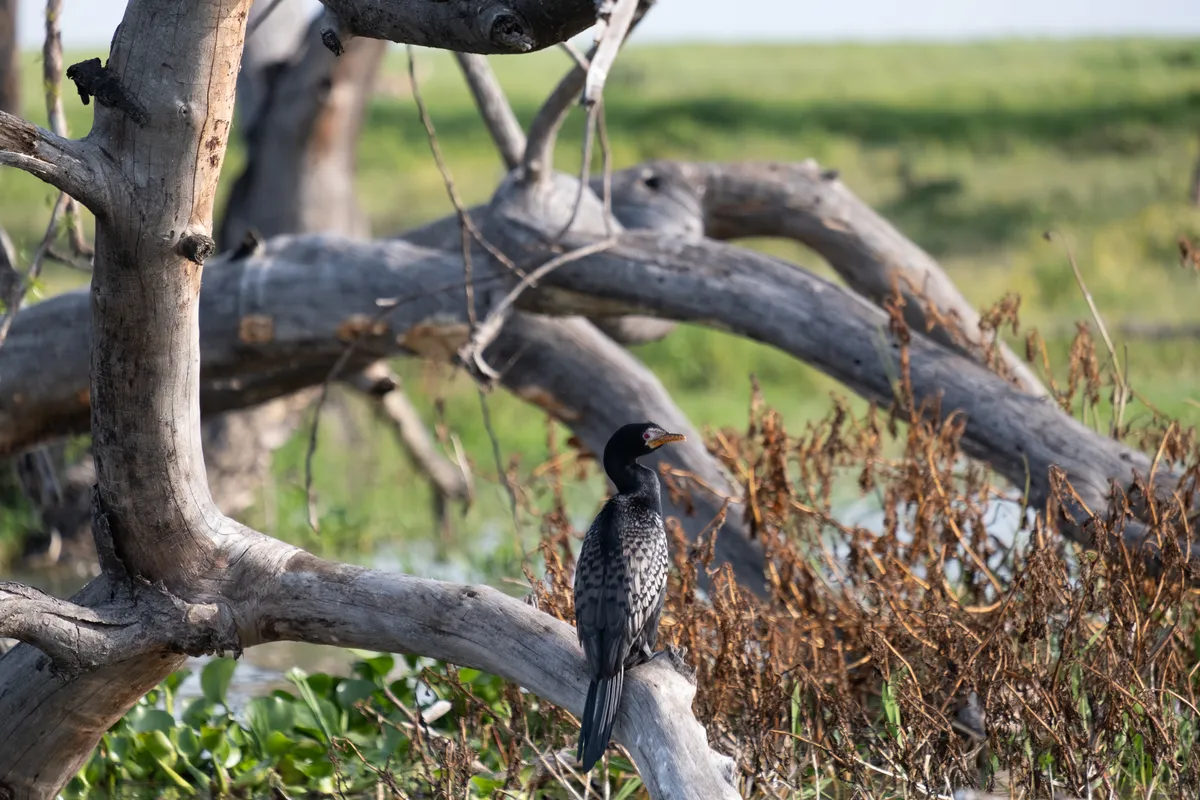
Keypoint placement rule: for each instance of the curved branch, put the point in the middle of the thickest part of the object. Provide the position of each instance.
(1025, 438)
(312, 600)
(810, 205)
(494, 107)
(468, 26)
(593, 385)
(275, 323)
(543, 131)
(66, 164)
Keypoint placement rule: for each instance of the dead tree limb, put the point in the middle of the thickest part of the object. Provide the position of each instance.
(810, 205)
(449, 481)
(220, 585)
(72, 166)
(467, 26)
(301, 125)
(493, 107)
(266, 330)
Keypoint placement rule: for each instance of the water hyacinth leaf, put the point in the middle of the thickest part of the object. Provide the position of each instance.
(159, 746)
(212, 738)
(318, 768)
(144, 719)
(270, 714)
(374, 666)
(176, 679)
(351, 691)
(215, 679)
(198, 712)
(187, 742)
(277, 744)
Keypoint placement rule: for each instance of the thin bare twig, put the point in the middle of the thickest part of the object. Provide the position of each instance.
(52, 72)
(20, 286)
(471, 353)
(15, 285)
(589, 133)
(466, 225)
(464, 217)
(607, 168)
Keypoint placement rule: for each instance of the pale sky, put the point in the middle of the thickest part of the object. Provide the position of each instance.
(91, 22)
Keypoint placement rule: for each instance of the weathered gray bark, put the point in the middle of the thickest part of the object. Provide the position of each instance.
(810, 205)
(304, 108)
(180, 577)
(301, 123)
(301, 306)
(10, 59)
(468, 26)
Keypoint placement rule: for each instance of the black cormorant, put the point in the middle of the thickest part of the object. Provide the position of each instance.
(620, 580)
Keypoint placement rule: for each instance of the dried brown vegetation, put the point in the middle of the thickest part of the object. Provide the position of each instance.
(940, 648)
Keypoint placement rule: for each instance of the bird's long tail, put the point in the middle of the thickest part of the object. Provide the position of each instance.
(599, 714)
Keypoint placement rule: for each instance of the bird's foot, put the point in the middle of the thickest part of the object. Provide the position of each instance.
(677, 656)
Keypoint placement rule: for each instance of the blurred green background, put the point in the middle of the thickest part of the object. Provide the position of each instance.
(973, 151)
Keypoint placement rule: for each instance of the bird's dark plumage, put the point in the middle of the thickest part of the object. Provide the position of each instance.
(620, 581)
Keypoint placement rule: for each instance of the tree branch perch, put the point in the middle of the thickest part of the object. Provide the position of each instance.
(68, 165)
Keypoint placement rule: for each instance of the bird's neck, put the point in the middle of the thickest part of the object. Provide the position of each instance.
(631, 478)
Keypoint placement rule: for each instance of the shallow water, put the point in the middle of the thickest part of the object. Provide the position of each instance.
(263, 668)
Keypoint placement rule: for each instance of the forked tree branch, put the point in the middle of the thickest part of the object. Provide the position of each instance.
(543, 131)
(616, 17)
(278, 593)
(136, 621)
(71, 166)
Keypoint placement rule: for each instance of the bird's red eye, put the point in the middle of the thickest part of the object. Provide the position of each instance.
(646, 436)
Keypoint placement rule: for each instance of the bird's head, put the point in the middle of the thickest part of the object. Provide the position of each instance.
(631, 442)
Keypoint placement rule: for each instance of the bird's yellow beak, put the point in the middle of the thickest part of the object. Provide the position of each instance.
(666, 438)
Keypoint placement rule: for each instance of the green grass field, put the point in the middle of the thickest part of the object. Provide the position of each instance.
(972, 150)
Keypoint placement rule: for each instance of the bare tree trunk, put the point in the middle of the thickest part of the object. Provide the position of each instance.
(178, 576)
(300, 110)
(10, 59)
(304, 109)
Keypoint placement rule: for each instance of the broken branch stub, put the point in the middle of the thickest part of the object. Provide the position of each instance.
(467, 26)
